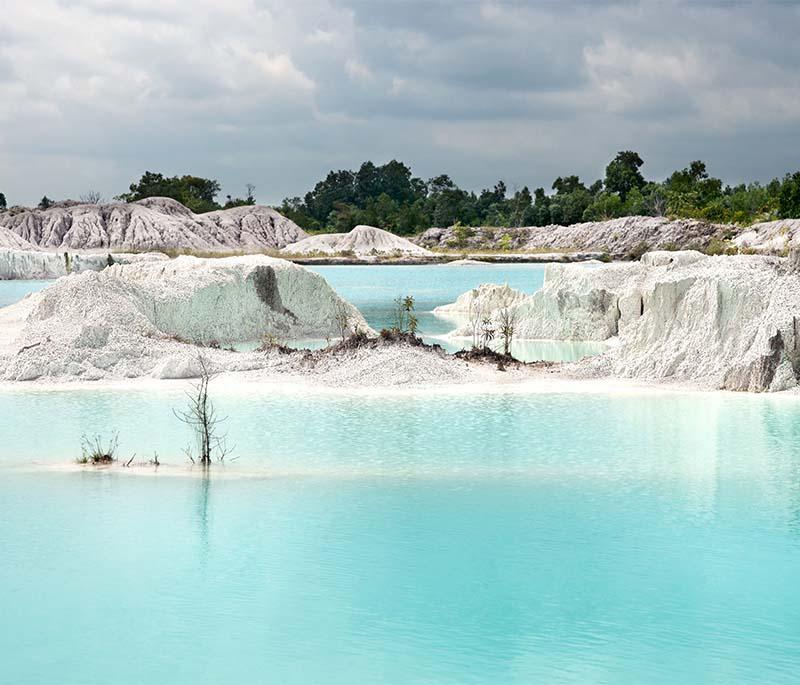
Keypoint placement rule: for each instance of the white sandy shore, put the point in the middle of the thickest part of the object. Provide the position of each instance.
(242, 470)
(527, 382)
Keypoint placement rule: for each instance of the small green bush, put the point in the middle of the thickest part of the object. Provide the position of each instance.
(636, 253)
(95, 451)
(718, 246)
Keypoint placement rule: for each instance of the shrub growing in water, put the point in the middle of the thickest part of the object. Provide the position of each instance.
(95, 451)
(405, 320)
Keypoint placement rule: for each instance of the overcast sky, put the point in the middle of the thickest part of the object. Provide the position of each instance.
(274, 92)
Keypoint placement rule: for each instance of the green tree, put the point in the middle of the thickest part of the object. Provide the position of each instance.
(249, 199)
(45, 202)
(567, 184)
(447, 207)
(789, 199)
(623, 175)
(541, 208)
(571, 200)
(635, 203)
(605, 206)
(3, 203)
(337, 187)
(521, 213)
(689, 190)
(194, 192)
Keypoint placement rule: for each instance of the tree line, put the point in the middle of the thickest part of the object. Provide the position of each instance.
(390, 197)
(197, 193)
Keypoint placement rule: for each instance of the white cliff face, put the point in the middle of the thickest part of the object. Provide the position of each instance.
(153, 223)
(133, 320)
(36, 264)
(362, 241)
(720, 322)
(31, 264)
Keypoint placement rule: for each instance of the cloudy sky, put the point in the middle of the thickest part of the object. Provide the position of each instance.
(276, 92)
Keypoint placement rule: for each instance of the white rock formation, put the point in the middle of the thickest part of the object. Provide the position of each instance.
(362, 241)
(11, 241)
(487, 298)
(30, 265)
(36, 264)
(134, 320)
(720, 322)
(618, 237)
(156, 222)
(770, 237)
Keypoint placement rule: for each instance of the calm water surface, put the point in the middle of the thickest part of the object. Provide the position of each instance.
(373, 288)
(12, 291)
(545, 538)
(415, 539)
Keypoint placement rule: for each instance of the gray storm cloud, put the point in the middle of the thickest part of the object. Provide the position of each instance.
(94, 92)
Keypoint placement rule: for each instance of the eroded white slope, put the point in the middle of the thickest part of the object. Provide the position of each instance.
(722, 322)
(131, 320)
(618, 237)
(153, 223)
(11, 241)
(362, 241)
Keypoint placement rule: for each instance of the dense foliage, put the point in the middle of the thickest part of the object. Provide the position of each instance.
(390, 197)
(196, 193)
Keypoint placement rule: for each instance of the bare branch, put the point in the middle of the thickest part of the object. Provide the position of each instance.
(92, 198)
(201, 416)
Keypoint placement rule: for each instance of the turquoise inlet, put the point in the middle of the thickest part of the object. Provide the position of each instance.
(560, 537)
(12, 291)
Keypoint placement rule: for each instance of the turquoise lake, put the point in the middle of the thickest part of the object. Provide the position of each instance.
(431, 538)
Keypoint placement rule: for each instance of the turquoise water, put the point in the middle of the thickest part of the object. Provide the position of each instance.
(513, 539)
(436, 538)
(12, 291)
(373, 288)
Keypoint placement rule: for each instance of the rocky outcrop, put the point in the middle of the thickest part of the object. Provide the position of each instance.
(719, 322)
(135, 320)
(153, 223)
(770, 237)
(362, 241)
(620, 238)
(485, 298)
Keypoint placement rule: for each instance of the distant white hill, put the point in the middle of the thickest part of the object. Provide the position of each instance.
(155, 222)
(362, 241)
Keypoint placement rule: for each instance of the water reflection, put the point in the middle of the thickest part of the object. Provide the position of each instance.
(203, 499)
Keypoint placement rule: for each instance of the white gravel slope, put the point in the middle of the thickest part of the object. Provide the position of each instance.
(362, 241)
